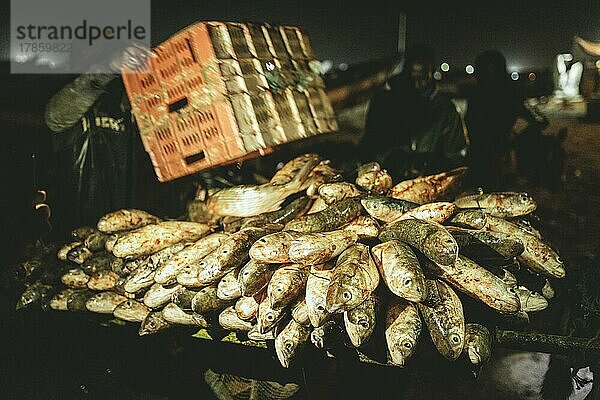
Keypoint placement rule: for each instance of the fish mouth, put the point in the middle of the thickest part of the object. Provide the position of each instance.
(474, 356)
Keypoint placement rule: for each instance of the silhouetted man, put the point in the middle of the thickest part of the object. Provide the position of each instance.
(411, 128)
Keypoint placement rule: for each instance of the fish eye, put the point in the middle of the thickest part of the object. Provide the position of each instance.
(408, 345)
(347, 295)
(151, 324)
(289, 346)
(407, 281)
(524, 197)
(511, 290)
(364, 324)
(455, 339)
(270, 317)
(320, 308)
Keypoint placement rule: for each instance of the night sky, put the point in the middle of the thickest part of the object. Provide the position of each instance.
(530, 33)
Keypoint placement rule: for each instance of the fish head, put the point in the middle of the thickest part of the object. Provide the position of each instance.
(478, 344)
(153, 323)
(267, 316)
(413, 285)
(343, 296)
(269, 248)
(319, 314)
(96, 301)
(441, 248)
(377, 206)
(530, 301)
(285, 352)
(30, 296)
(524, 203)
(363, 326)
(402, 349)
(455, 338)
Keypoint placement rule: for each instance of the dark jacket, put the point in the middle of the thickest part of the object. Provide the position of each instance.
(408, 131)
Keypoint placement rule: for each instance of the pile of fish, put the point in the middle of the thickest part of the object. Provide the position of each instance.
(282, 260)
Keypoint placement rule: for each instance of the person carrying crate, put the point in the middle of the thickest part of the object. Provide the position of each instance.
(101, 165)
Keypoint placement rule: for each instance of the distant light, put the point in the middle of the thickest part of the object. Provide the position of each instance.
(532, 76)
(568, 56)
(514, 76)
(437, 75)
(445, 67)
(469, 69)
(326, 66)
(343, 66)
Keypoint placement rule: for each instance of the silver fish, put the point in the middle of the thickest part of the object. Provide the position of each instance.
(206, 301)
(231, 254)
(445, 321)
(192, 254)
(360, 321)
(229, 287)
(478, 344)
(289, 342)
(175, 315)
(499, 204)
(538, 256)
(354, 278)
(273, 248)
(435, 212)
(268, 317)
(286, 284)
(104, 302)
(153, 323)
(300, 313)
(364, 226)
(255, 276)
(402, 330)
(530, 301)
(103, 280)
(479, 283)
(317, 248)
(316, 295)
(150, 239)
(159, 295)
(251, 200)
(332, 192)
(59, 301)
(400, 270)
(246, 308)
(126, 219)
(229, 320)
(131, 310)
(75, 278)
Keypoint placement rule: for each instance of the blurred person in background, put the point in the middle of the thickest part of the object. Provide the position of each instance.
(493, 109)
(411, 128)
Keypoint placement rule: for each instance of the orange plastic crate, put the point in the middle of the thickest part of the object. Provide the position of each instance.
(208, 96)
